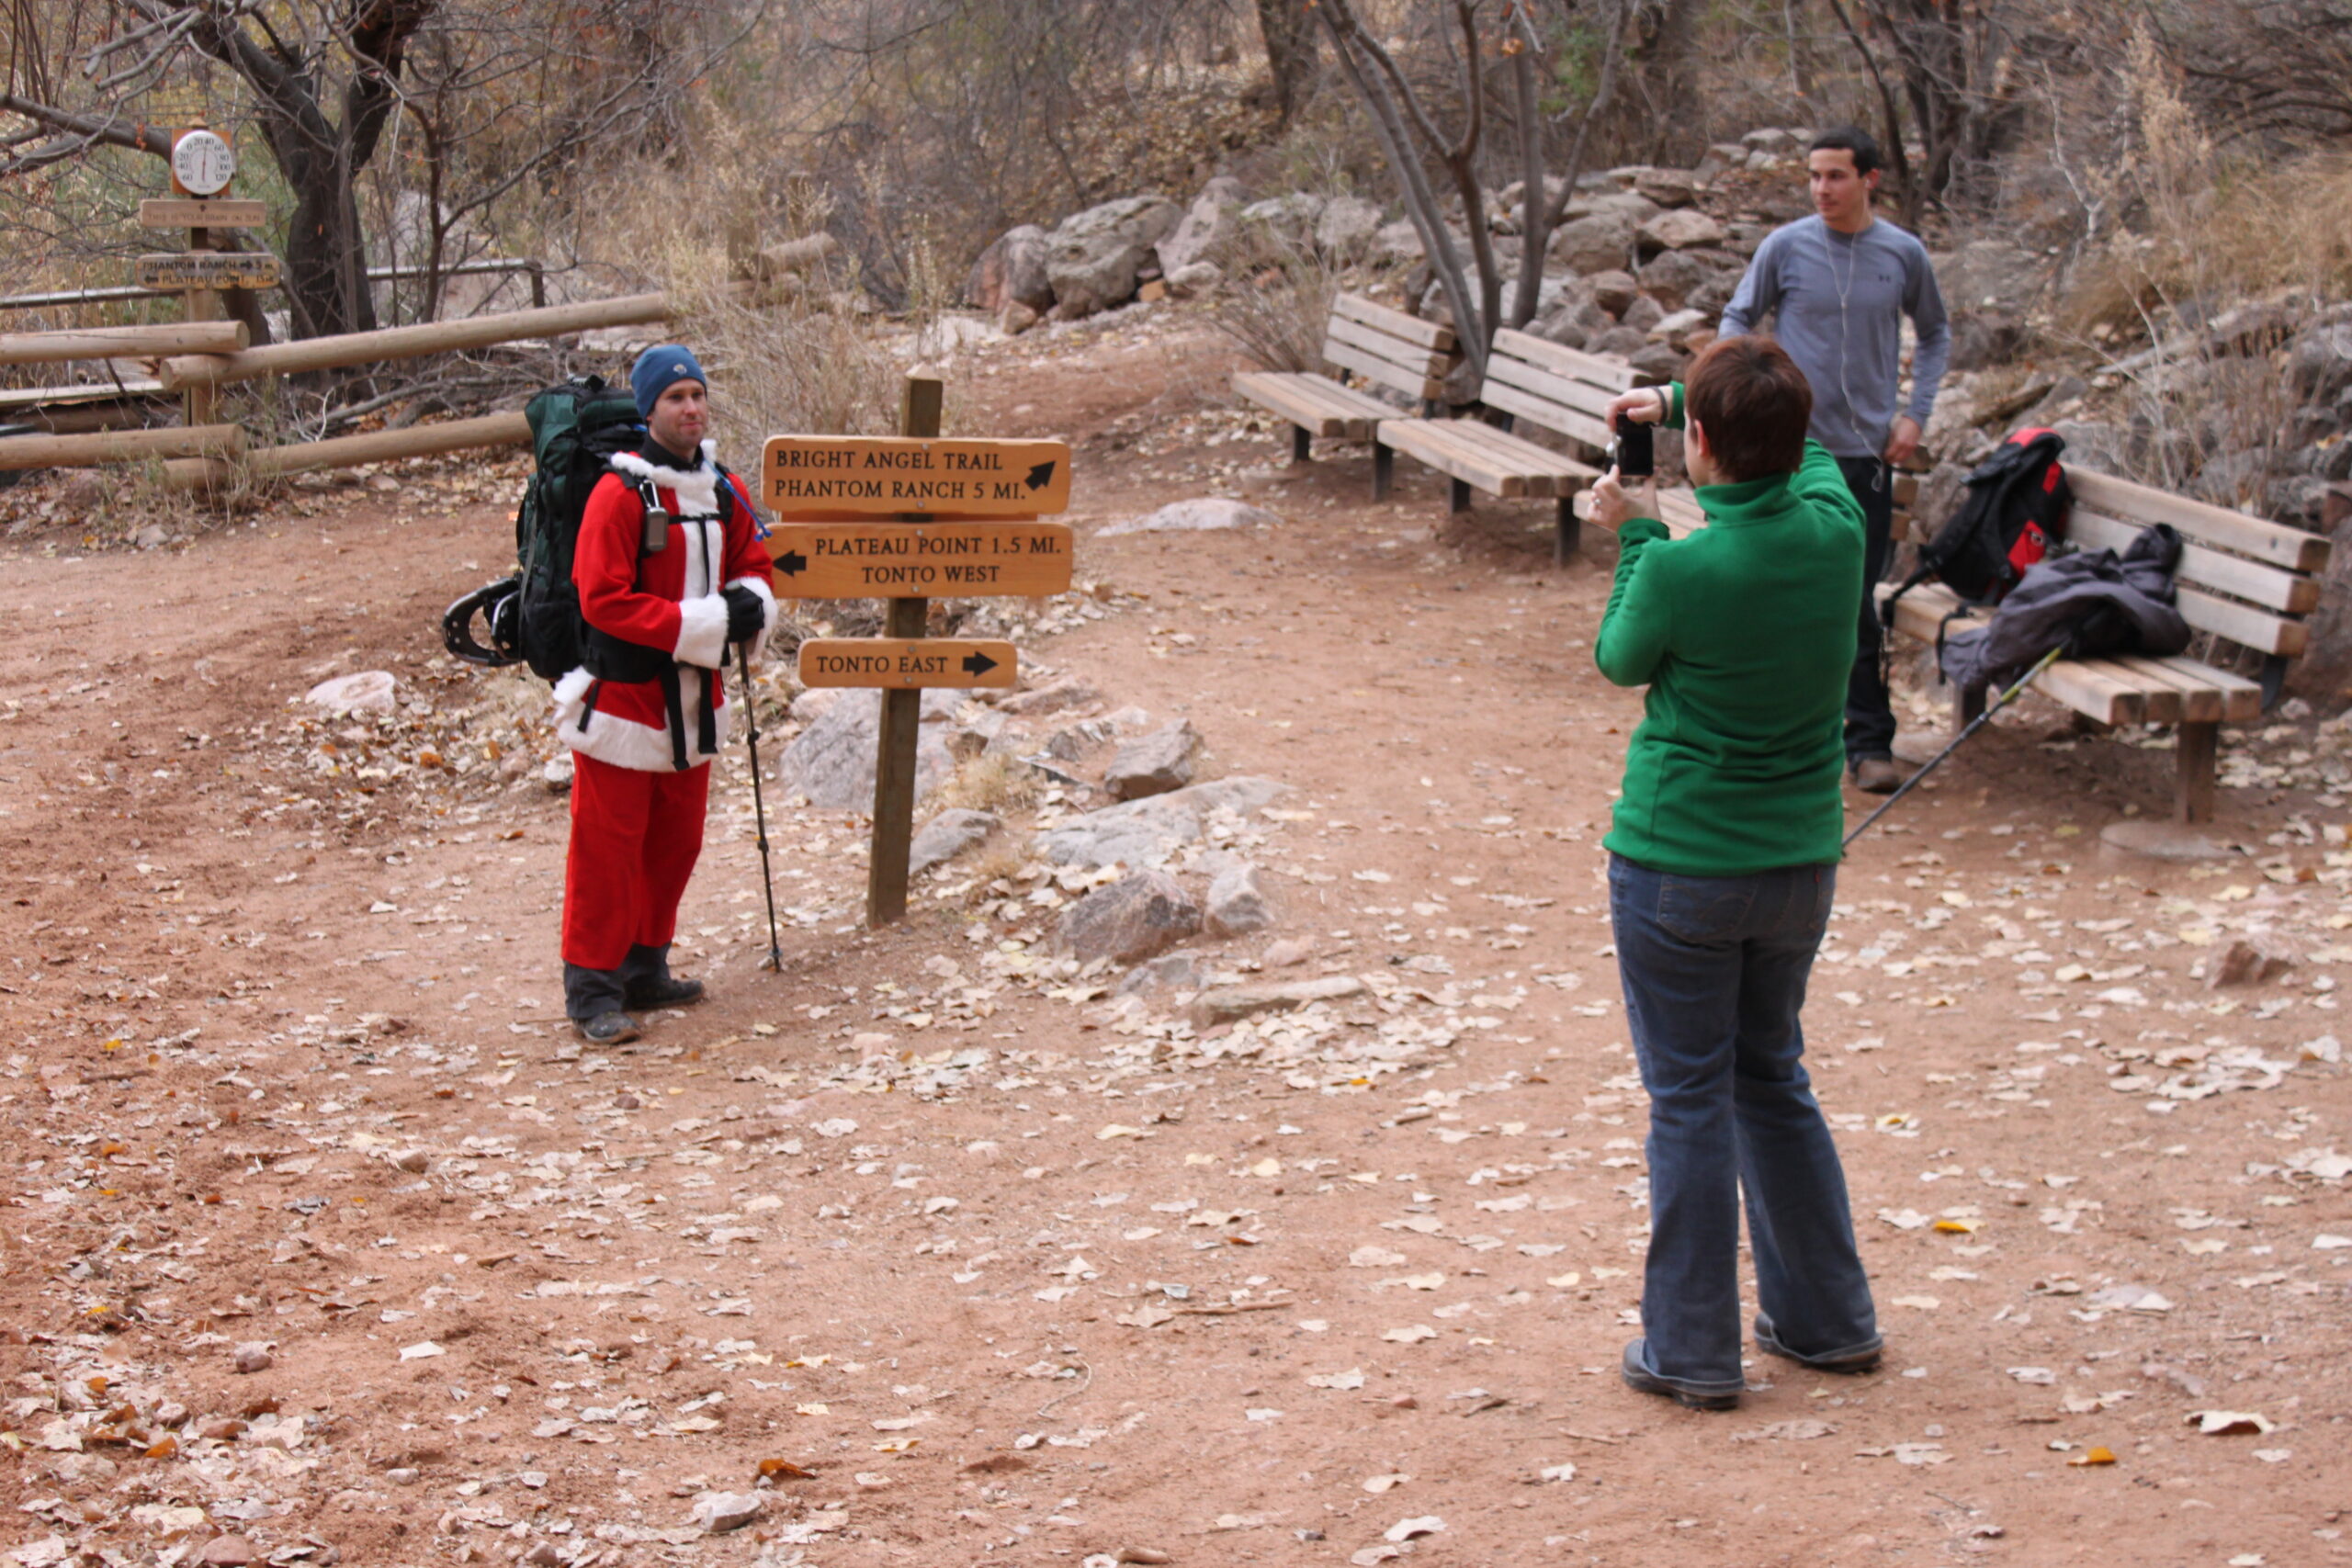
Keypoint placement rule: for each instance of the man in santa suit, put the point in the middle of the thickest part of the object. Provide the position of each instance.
(671, 575)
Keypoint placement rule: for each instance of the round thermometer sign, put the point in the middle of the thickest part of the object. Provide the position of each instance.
(202, 163)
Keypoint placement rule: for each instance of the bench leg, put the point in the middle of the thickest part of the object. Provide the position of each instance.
(2198, 746)
(1301, 444)
(1967, 707)
(1458, 494)
(1565, 542)
(1383, 470)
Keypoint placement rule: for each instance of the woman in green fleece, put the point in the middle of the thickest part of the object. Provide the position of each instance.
(1722, 865)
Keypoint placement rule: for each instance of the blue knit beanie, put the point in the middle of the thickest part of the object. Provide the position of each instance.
(656, 369)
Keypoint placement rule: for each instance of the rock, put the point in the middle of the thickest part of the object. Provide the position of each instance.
(1146, 831)
(1172, 972)
(832, 761)
(1345, 227)
(1615, 289)
(2245, 962)
(154, 536)
(1237, 902)
(1673, 277)
(1658, 361)
(2093, 445)
(1228, 1003)
(369, 691)
(1141, 915)
(1668, 187)
(1196, 277)
(1622, 341)
(1289, 951)
(2319, 363)
(1990, 275)
(1154, 764)
(1722, 158)
(228, 1551)
(947, 835)
(557, 775)
(1284, 220)
(718, 1512)
(252, 1357)
(1017, 317)
(416, 1162)
(1093, 258)
(1675, 327)
(1777, 143)
(1641, 313)
(1011, 271)
(1984, 338)
(1058, 697)
(1206, 230)
(1575, 322)
(1204, 514)
(1680, 230)
(1597, 243)
(1397, 241)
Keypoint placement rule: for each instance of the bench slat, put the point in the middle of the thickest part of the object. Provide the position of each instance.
(1409, 357)
(2280, 546)
(2093, 691)
(2241, 698)
(2160, 702)
(2199, 702)
(2266, 586)
(1309, 401)
(1395, 323)
(1500, 463)
(1506, 388)
(1613, 376)
(2257, 629)
(1371, 366)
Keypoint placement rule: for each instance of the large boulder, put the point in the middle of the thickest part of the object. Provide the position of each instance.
(1140, 916)
(1238, 902)
(2319, 363)
(1208, 513)
(1011, 271)
(947, 835)
(1345, 227)
(1154, 764)
(1094, 257)
(832, 761)
(1668, 187)
(1678, 230)
(1207, 228)
(1671, 278)
(1599, 243)
(1146, 831)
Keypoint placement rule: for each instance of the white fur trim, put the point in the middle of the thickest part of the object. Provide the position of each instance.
(766, 596)
(570, 692)
(702, 632)
(696, 492)
(641, 747)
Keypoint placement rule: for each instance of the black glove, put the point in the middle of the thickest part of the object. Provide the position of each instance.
(745, 613)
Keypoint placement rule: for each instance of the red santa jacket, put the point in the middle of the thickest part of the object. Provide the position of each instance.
(666, 600)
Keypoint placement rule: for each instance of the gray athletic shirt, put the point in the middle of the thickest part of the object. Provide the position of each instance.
(1799, 274)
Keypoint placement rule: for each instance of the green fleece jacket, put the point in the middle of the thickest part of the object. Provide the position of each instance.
(1744, 632)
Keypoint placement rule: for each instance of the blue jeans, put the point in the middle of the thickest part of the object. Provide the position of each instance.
(1715, 972)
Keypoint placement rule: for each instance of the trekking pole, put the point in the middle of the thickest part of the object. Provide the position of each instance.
(759, 800)
(1979, 722)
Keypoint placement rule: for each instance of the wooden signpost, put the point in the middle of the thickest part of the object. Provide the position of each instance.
(901, 518)
(202, 166)
(170, 271)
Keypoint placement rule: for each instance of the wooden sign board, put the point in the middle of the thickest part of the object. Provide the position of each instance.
(906, 663)
(188, 213)
(820, 477)
(207, 270)
(919, 560)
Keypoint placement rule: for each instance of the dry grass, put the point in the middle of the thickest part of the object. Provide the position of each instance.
(993, 783)
(1276, 298)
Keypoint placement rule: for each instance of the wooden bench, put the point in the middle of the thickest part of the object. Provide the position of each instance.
(1564, 391)
(1386, 347)
(2247, 582)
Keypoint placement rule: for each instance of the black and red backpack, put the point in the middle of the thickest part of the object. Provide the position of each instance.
(2014, 512)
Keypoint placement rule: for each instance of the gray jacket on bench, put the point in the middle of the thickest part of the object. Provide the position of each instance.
(2094, 601)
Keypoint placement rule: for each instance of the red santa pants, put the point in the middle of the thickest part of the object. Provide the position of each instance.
(635, 838)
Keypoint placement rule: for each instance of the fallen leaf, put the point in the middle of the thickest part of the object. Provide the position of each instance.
(1118, 1130)
(1406, 1530)
(1376, 1484)
(421, 1350)
(812, 1408)
(1424, 1281)
(1412, 1335)
(784, 1470)
(1351, 1379)
(1374, 1258)
(2092, 1455)
(1797, 1431)
(1919, 1304)
(2229, 1423)
(1556, 1472)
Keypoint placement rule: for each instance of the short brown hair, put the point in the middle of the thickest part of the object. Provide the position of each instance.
(1755, 404)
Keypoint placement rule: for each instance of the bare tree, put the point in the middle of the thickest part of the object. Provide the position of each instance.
(1412, 139)
(1952, 61)
(1287, 29)
(2278, 68)
(327, 81)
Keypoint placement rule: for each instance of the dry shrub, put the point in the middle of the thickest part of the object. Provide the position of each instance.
(1277, 297)
(991, 782)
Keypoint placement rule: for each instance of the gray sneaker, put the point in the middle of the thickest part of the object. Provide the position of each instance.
(616, 1028)
(1877, 775)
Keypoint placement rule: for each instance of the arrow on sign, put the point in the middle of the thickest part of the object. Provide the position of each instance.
(977, 664)
(792, 563)
(1041, 475)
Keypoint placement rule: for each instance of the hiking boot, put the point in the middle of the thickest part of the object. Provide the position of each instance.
(1877, 775)
(614, 1028)
(1635, 1370)
(1852, 1361)
(669, 991)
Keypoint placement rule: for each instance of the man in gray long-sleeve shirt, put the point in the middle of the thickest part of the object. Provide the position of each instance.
(1838, 284)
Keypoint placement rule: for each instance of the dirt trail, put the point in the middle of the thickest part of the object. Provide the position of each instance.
(1026, 1271)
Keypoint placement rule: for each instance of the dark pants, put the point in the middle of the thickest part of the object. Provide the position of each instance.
(1715, 971)
(1870, 722)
